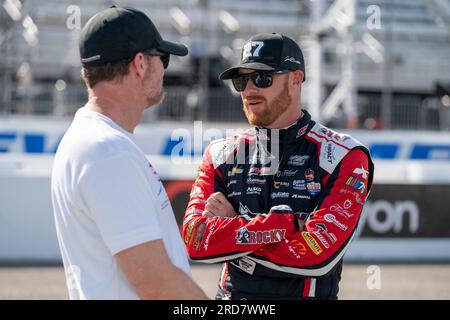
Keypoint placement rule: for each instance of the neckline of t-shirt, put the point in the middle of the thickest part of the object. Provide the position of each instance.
(87, 111)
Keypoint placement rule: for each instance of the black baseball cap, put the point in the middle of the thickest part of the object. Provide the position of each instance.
(269, 52)
(119, 33)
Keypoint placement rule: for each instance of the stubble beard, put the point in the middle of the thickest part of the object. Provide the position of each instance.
(152, 98)
(272, 111)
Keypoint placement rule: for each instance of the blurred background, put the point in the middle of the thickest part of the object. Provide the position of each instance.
(378, 70)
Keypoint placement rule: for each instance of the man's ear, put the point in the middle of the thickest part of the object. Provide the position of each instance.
(139, 65)
(297, 78)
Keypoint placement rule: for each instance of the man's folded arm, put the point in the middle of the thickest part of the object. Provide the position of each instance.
(317, 248)
(212, 240)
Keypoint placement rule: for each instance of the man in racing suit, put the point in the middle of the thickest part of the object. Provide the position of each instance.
(279, 203)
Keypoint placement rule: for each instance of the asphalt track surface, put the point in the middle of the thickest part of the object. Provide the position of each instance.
(395, 282)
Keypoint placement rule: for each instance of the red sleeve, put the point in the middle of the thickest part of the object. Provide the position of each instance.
(329, 229)
(220, 239)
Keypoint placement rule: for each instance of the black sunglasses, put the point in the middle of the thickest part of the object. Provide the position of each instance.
(165, 57)
(261, 79)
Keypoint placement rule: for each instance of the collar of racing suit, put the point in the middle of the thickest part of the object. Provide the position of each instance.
(275, 146)
(287, 136)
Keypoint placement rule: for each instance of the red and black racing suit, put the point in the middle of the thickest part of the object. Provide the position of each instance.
(323, 176)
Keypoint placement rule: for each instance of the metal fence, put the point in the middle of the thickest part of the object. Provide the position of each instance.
(406, 113)
(186, 104)
(183, 104)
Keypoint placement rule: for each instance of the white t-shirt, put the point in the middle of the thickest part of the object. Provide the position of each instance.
(107, 198)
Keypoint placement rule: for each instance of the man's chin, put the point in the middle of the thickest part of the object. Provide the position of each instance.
(156, 100)
(255, 121)
(258, 119)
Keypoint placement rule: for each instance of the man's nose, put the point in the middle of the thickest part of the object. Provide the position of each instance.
(250, 88)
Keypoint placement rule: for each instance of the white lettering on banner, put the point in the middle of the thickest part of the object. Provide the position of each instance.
(394, 215)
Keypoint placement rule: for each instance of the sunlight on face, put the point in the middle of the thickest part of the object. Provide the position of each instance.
(153, 82)
(261, 113)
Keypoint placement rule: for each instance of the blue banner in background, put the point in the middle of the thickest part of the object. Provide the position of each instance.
(5, 139)
(28, 142)
(424, 152)
(35, 143)
(384, 150)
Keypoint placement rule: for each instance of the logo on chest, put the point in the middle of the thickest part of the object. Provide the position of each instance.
(313, 188)
(279, 195)
(277, 184)
(299, 185)
(297, 161)
(254, 190)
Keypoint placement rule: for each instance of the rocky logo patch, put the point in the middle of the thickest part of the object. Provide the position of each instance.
(244, 236)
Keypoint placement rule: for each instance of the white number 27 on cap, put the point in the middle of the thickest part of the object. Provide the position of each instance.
(252, 48)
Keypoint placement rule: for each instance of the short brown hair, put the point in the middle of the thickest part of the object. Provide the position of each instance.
(105, 72)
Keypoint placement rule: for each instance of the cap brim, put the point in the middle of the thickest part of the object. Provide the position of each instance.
(177, 49)
(230, 73)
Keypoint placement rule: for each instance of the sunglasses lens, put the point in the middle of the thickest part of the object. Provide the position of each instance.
(165, 60)
(259, 79)
(240, 82)
(262, 80)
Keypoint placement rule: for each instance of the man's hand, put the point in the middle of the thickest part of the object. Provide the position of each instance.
(218, 206)
(300, 216)
(281, 208)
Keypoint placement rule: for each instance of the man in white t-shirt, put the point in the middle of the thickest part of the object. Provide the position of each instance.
(116, 229)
